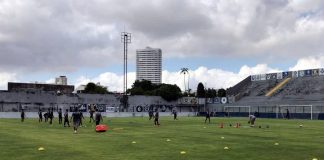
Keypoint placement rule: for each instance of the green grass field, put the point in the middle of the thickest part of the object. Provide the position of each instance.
(190, 134)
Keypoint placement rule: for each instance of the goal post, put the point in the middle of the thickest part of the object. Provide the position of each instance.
(283, 110)
(237, 109)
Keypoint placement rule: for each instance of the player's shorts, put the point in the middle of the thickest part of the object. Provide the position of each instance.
(76, 123)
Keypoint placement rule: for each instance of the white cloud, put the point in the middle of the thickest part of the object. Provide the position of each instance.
(50, 81)
(112, 81)
(212, 78)
(310, 62)
(5, 78)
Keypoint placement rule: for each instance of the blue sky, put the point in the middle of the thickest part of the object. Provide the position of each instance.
(220, 41)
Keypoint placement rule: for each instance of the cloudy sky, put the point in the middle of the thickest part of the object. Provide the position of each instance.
(220, 41)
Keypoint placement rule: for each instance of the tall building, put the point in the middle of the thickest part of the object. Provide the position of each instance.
(62, 80)
(149, 64)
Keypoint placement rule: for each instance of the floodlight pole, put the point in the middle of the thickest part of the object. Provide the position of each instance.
(125, 39)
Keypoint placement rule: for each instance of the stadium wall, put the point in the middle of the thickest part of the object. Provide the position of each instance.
(31, 101)
(105, 114)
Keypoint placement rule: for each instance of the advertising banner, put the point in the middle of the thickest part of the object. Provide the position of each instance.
(301, 73)
(279, 75)
(294, 74)
(101, 107)
(308, 73)
(285, 74)
(216, 100)
(321, 72)
(273, 76)
(111, 109)
(224, 100)
(253, 78)
(268, 76)
(263, 77)
(315, 72)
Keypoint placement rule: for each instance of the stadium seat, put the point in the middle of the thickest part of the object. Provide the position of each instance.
(101, 128)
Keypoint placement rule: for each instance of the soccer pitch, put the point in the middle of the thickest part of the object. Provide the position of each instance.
(189, 134)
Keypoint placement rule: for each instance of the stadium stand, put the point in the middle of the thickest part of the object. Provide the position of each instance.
(297, 90)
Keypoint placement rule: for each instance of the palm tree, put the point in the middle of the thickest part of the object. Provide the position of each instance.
(185, 71)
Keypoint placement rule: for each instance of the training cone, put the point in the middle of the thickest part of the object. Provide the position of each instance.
(222, 137)
(41, 149)
(168, 140)
(276, 144)
(183, 152)
(226, 148)
(221, 125)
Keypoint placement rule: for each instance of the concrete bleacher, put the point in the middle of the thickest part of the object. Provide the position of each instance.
(267, 94)
(301, 90)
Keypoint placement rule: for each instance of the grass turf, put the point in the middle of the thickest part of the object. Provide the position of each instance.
(190, 134)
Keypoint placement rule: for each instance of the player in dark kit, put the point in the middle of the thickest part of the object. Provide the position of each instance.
(175, 114)
(287, 114)
(81, 117)
(151, 114)
(22, 115)
(66, 118)
(60, 115)
(91, 115)
(51, 115)
(207, 116)
(98, 118)
(156, 118)
(76, 117)
(40, 115)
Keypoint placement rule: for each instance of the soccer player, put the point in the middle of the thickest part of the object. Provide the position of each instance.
(175, 114)
(66, 118)
(40, 115)
(22, 115)
(287, 114)
(151, 114)
(81, 117)
(60, 115)
(207, 116)
(156, 118)
(91, 114)
(98, 117)
(46, 116)
(251, 120)
(51, 115)
(76, 117)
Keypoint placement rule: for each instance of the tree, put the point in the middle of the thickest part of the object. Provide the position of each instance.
(92, 88)
(166, 91)
(211, 93)
(221, 93)
(143, 87)
(169, 92)
(185, 71)
(201, 93)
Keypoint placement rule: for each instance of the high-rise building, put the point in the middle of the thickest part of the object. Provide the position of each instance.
(62, 80)
(149, 64)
